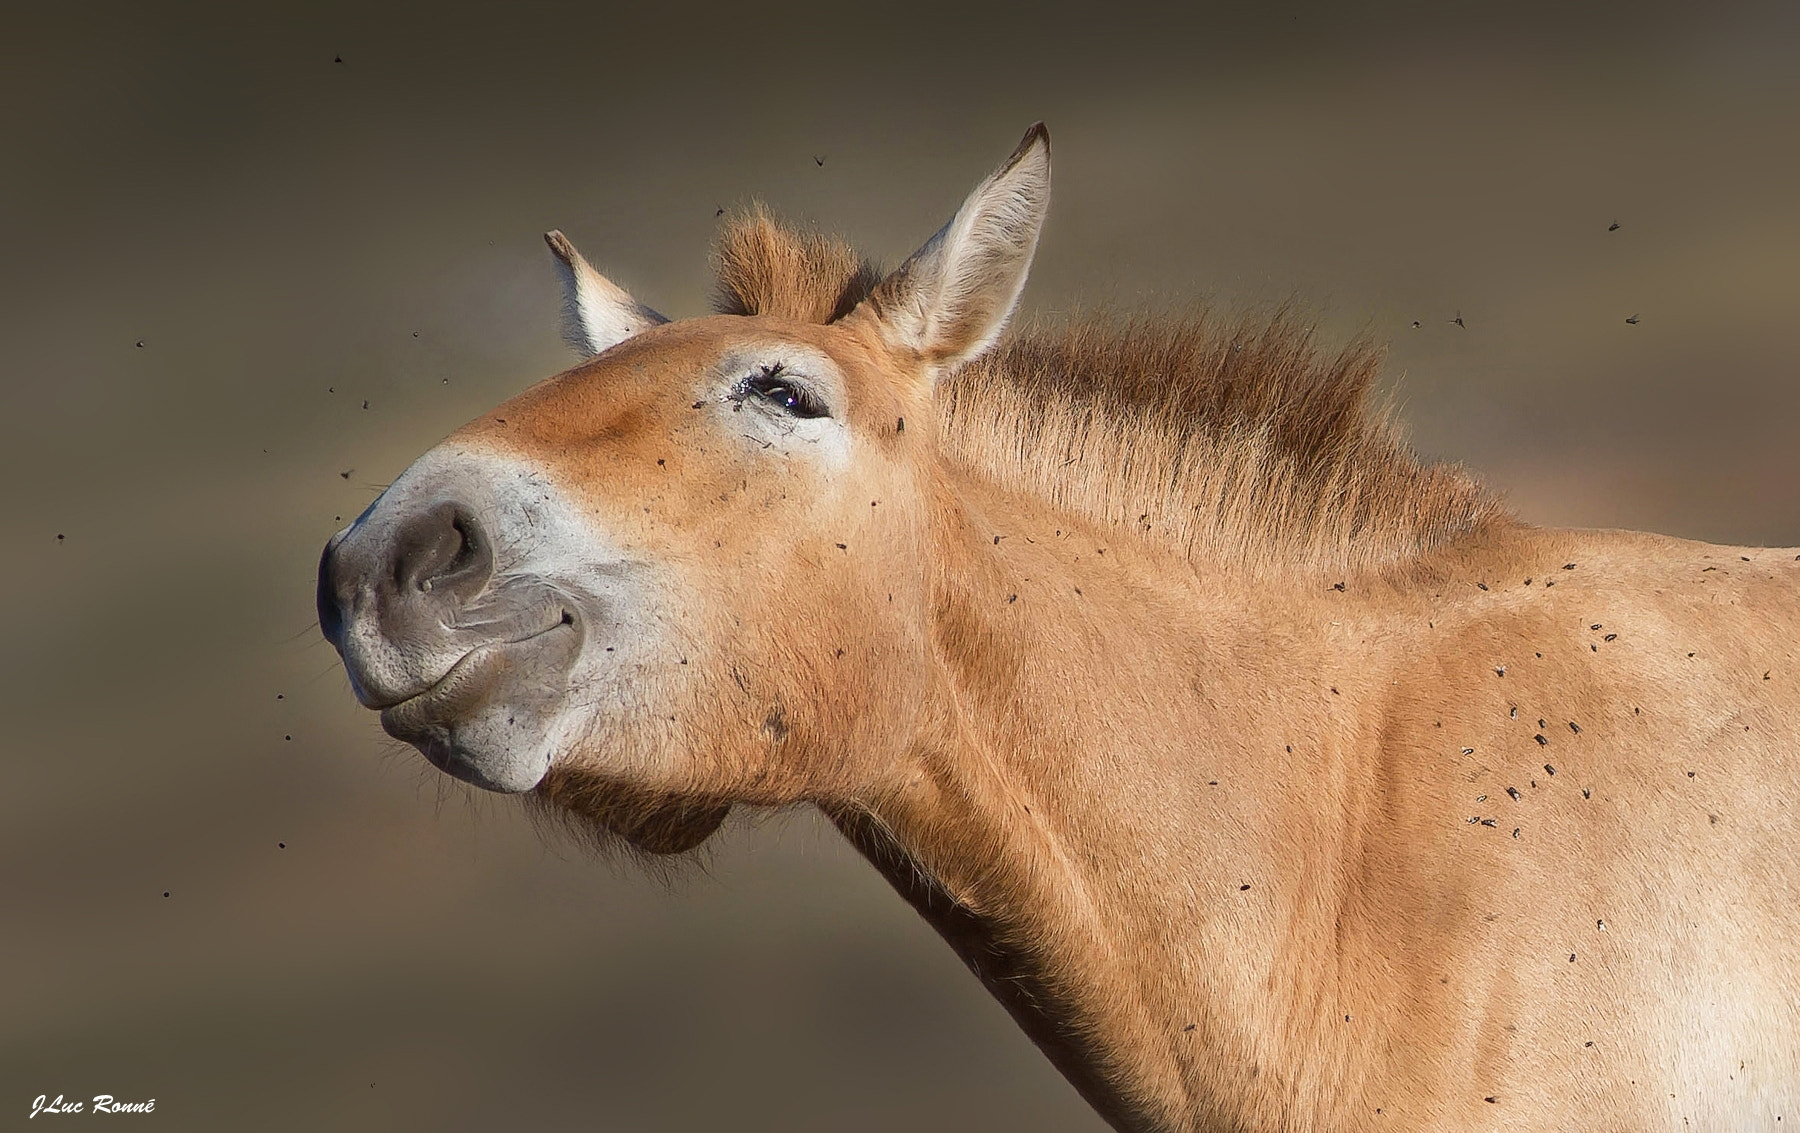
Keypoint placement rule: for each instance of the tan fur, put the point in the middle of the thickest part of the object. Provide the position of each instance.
(1237, 443)
(1271, 779)
(766, 269)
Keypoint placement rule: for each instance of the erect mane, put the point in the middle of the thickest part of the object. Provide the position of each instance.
(1234, 442)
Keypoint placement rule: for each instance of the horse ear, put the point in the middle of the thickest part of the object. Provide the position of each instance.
(950, 300)
(597, 313)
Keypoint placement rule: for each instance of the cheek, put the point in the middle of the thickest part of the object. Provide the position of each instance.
(824, 662)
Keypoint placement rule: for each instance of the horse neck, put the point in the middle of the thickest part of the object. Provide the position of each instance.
(1093, 813)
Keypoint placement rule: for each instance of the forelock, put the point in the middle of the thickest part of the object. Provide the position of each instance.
(766, 268)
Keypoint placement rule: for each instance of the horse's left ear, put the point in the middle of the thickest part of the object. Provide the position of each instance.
(598, 314)
(950, 300)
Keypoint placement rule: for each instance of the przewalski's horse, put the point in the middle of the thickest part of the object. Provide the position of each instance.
(1271, 778)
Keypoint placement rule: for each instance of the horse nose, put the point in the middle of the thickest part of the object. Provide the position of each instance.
(331, 615)
(441, 555)
(430, 564)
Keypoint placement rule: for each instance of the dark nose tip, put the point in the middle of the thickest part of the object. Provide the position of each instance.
(435, 561)
(444, 553)
(331, 615)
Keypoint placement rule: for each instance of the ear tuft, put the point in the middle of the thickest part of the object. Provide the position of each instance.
(597, 313)
(950, 300)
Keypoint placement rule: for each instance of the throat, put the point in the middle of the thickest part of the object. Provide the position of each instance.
(1008, 958)
(1062, 896)
(1085, 820)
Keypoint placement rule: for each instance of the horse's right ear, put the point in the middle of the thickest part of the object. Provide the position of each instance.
(950, 300)
(597, 313)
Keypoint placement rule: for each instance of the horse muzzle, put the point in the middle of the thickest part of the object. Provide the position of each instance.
(470, 667)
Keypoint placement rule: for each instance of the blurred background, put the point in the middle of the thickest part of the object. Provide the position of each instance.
(257, 257)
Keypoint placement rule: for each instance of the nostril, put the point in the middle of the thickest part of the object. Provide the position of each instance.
(470, 546)
(426, 571)
(443, 548)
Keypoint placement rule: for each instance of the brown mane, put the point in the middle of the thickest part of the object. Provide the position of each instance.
(1232, 443)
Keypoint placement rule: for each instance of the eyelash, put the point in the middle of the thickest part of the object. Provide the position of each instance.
(772, 385)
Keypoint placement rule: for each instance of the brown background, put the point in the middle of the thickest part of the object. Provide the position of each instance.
(274, 225)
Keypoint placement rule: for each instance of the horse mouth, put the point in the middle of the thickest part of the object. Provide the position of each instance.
(486, 720)
(455, 686)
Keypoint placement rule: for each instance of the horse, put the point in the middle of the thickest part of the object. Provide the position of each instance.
(1269, 775)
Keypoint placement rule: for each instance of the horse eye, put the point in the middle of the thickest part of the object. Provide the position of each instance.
(772, 385)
